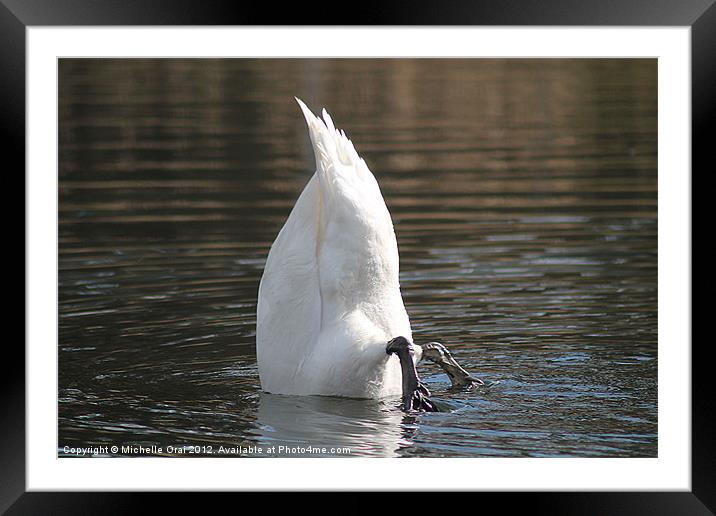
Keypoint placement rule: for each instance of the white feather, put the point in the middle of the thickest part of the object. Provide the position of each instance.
(329, 299)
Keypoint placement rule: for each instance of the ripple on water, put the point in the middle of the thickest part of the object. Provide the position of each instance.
(528, 241)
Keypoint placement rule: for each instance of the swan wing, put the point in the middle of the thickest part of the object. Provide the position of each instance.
(289, 305)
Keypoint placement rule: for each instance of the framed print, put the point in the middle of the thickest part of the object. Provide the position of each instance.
(476, 258)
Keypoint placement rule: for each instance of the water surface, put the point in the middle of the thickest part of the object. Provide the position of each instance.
(524, 197)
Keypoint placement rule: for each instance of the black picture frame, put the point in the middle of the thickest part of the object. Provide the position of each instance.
(17, 15)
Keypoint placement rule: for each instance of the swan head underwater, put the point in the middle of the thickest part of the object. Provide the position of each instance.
(330, 316)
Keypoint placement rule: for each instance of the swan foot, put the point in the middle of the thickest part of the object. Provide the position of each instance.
(459, 378)
(415, 393)
(420, 400)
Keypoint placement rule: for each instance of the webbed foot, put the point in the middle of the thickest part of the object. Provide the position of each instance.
(459, 378)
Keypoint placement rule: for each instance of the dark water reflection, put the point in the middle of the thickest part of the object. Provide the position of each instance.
(524, 196)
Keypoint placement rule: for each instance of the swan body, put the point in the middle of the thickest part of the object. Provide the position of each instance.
(329, 299)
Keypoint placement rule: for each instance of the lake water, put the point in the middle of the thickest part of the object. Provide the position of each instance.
(524, 197)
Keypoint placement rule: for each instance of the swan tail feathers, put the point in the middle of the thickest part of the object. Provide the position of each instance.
(334, 152)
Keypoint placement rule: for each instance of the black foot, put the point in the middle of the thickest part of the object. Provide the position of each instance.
(420, 400)
(415, 394)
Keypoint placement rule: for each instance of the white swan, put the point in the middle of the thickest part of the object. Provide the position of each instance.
(329, 300)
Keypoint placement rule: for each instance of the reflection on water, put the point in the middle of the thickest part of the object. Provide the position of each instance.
(524, 199)
(365, 427)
